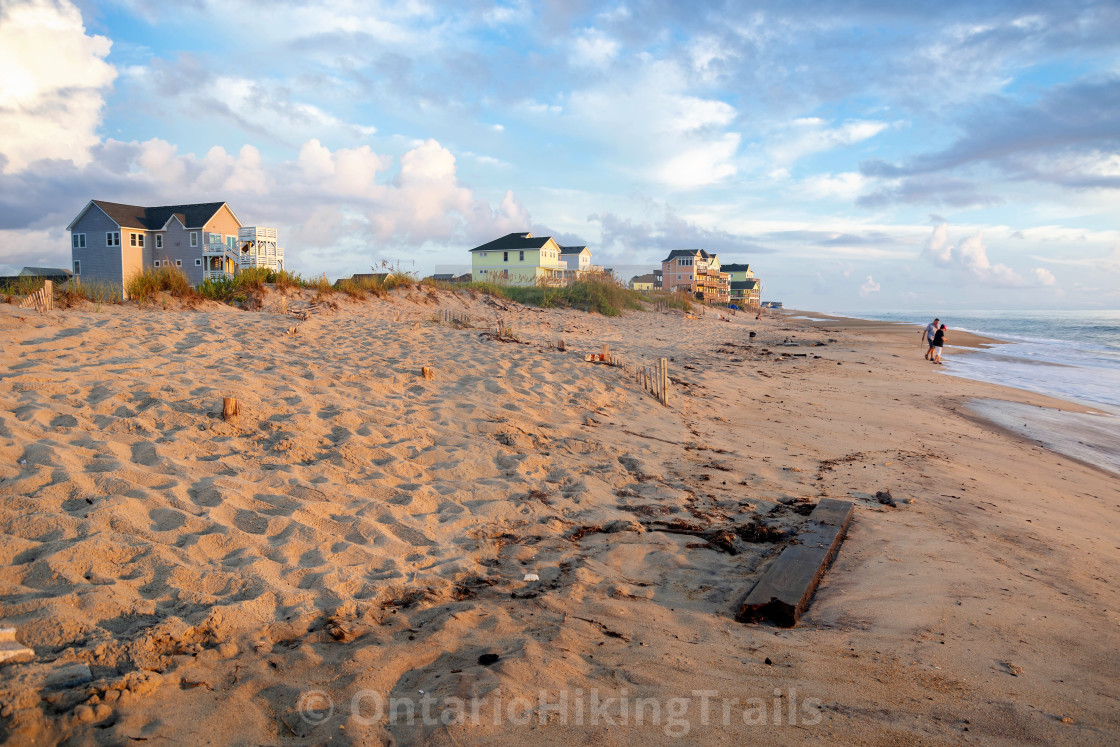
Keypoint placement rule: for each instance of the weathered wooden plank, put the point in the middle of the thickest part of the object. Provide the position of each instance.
(784, 591)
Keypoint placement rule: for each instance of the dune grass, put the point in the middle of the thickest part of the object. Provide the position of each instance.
(600, 295)
(150, 285)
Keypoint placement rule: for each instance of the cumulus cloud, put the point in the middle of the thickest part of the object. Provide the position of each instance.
(969, 258)
(52, 86)
(869, 286)
(346, 195)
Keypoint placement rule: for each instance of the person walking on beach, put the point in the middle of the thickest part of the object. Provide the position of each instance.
(927, 337)
(938, 343)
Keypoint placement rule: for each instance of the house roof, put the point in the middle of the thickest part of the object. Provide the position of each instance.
(684, 253)
(744, 284)
(570, 250)
(514, 241)
(736, 268)
(44, 272)
(155, 218)
(647, 278)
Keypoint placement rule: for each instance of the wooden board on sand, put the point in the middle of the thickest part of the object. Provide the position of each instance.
(784, 591)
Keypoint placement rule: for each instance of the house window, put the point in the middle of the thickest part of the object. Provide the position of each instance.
(140, 239)
(159, 241)
(77, 267)
(482, 254)
(178, 263)
(216, 238)
(113, 238)
(155, 263)
(522, 257)
(194, 238)
(79, 241)
(198, 263)
(132, 239)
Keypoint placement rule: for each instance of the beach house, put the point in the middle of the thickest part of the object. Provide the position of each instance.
(643, 282)
(576, 257)
(110, 242)
(519, 259)
(697, 272)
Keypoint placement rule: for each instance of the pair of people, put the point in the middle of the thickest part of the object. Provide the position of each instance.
(935, 336)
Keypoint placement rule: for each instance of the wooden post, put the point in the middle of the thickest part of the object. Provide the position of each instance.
(230, 408)
(606, 353)
(426, 372)
(664, 381)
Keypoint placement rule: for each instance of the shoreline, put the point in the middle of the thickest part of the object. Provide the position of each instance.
(366, 533)
(1080, 429)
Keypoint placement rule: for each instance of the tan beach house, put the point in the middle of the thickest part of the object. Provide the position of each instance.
(697, 272)
(110, 242)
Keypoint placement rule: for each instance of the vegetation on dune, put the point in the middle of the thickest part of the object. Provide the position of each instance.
(247, 288)
(589, 294)
(148, 286)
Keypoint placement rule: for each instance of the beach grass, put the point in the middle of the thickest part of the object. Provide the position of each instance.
(589, 294)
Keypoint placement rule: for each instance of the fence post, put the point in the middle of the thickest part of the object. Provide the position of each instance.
(665, 381)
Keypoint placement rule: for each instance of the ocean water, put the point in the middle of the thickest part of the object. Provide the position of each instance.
(1073, 355)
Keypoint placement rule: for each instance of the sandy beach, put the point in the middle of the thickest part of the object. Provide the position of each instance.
(342, 562)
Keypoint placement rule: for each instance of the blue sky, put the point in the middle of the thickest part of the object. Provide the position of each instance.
(858, 155)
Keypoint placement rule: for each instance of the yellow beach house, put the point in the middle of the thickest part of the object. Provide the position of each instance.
(519, 259)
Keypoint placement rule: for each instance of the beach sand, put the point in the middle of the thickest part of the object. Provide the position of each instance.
(361, 535)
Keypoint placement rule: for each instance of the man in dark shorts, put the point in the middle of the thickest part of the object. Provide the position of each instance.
(927, 336)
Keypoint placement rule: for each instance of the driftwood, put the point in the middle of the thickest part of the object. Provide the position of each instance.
(426, 372)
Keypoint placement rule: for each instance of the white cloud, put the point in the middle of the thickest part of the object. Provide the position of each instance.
(846, 186)
(655, 128)
(1044, 276)
(869, 286)
(593, 48)
(52, 85)
(809, 135)
(969, 258)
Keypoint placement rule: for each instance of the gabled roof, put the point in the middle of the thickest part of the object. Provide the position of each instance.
(736, 268)
(744, 284)
(571, 250)
(647, 278)
(156, 218)
(683, 253)
(514, 241)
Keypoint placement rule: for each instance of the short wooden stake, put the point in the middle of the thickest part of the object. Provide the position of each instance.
(606, 353)
(230, 408)
(426, 372)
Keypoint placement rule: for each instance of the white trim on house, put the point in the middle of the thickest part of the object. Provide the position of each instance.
(112, 238)
(78, 267)
(178, 263)
(198, 262)
(194, 238)
(159, 241)
(155, 263)
(77, 241)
